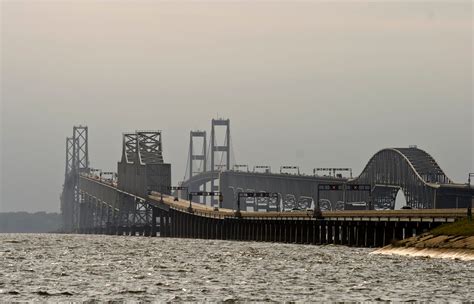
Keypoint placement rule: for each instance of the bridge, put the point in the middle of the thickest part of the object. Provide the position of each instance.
(137, 199)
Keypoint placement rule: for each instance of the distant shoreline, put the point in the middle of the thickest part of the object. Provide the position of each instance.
(25, 222)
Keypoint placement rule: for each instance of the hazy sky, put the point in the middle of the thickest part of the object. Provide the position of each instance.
(304, 83)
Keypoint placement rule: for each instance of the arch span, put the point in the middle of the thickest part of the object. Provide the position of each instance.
(410, 169)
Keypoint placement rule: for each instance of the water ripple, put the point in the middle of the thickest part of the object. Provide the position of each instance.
(50, 267)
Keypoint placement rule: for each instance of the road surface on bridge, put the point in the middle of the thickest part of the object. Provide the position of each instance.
(443, 215)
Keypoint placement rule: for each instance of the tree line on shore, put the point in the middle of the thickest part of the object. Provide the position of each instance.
(25, 222)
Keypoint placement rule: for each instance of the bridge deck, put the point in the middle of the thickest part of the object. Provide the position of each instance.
(442, 215)
(347, 215)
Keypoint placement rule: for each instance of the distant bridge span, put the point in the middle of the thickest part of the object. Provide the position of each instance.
(412, 170)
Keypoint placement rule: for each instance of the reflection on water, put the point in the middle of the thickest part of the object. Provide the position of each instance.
(88, 267)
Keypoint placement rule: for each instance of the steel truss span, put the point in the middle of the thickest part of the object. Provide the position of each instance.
(411, 170)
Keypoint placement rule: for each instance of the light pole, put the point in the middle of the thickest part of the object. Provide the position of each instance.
(190, 208)
(238, 213)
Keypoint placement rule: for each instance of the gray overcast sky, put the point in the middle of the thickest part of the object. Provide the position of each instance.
(304, 83)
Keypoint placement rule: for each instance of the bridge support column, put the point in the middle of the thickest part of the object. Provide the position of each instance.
(399, 231)
(169, 224)
(316, 232)
(190, 225)
(323, 228)
(219, 229)
(252, 230)
(284, 231)
(82, 215)
(360, 242)
(254, 225)
(223, 228)
(215, 230)
(337, 233)
(257, 230)
(379, 232)
(290, 231)
(410, 229)
(295, 231)
(182, 224)
(202, 224)
(208, 228)
(153, 221)
(268, 231)
(388, 233)
(211, 228)
(263, 236)
(263, 227)
(330, 229)
(304, 232)
(161, 224)
(370, 234)
(309, 231)
(147, 230)
(278, 231)
(343, 233)
(352, 234)
(202, 227)
(237, 224)
(229, 227)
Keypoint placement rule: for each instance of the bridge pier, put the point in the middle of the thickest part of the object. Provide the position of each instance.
(289, 232)
(344, 228)
(399, 231)
(167, 224)
(387, 234)
(153, 221)
(147, 230)
(330, 230)
(309, 231)
(337, 233)
(370, 235)
(315, 228)
(196, 229)
(360, 234)
(235, 229)
(323, 231)
(352, 234)
(302, 232)
(379, 232)
(257, 225)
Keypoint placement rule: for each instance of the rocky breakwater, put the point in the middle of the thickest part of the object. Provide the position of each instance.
(454, 241)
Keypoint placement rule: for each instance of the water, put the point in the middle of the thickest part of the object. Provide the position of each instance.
(52, 267)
